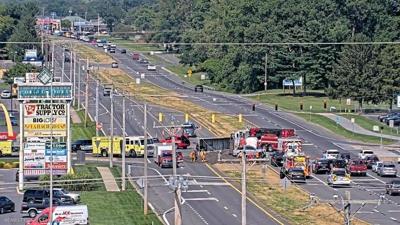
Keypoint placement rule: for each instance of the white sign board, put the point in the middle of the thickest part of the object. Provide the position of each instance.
(31, 77)
(375, 128)
(137, 80)
(391, 123)
(348, 101)
(353, 120)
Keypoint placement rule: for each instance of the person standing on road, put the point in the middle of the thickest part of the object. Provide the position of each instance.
(203, 155)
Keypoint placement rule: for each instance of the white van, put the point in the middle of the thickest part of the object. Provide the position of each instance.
(62, 215)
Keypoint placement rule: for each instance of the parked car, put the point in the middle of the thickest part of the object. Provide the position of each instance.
(393, 187)
(381, 118)
(277, 158)
(114, 65)
(83, 145)
(338, 177)
(151, 68)
(5, 94)
(393, 117)
(321, 166)
(31, 209)
(38, 195)
(296, 175)
(357, 167)
(376, 165)
(387, 169)
(62, 192)
(6, 205)
(123, 51)
(198, 88)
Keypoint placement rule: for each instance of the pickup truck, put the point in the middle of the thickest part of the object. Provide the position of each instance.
(357, 167)
(180, 141)
(393, 187)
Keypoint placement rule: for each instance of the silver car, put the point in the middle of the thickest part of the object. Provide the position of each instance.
(387, 169)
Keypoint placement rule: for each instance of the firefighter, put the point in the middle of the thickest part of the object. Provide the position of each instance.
(193, 155)
(203, 155)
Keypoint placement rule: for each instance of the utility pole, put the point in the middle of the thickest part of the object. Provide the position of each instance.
(97, 106)
(124, 143)
(79, 84)
(41, 32)
(52, 59)
(112, 128)
(62, 65)
(74, 85)
(145, 205)
(347, 209)
(173, 156)
(266, 72)
(70, 64)
(98, 24)
(87, 94)
(244, 190)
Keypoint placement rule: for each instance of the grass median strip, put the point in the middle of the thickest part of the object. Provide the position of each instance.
(290, 203)
(367, 124)
(337, 129)
(224, 124)
(79, 131)
(86, 52)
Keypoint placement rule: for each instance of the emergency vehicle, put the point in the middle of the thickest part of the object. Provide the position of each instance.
(134, 146)
(163, 155)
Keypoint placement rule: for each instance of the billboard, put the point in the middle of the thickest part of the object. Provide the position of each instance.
(288, 82)
(34, 156)
(31, 77)
(45, 109)
(58, 91)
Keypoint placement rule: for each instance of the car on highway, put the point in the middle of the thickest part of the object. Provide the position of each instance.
(393, 187)
(123, 51)
(387, 169)
(296, 174)
(143, 61)
(135, 56)
(363, 154)
(151, 67)
(6, 205)
(375, 166)
(370, 161)
(321, 166)
(248, 149)
(83, 145)
(114, 65)
(331, 154)
(112, 50)
(5, 94)
(189, 129)
(198, 88)
(357, 167)
(338, 163)
(276, 158)
(338, 177)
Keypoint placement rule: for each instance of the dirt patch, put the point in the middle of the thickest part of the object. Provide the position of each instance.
(224, 125)
(86, 52)
(291, 203)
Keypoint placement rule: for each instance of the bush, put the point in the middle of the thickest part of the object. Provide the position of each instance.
(72, 182)
(2, 164)
(15, 164)
(8, 166)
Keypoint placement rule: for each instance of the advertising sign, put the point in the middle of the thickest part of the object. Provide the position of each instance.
(59, 91)
(59, 149)
(39, 109)
(289, 83)
(31, 77)
(42, 133)
(34, 156)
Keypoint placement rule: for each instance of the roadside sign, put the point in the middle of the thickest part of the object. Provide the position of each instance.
(137, 80)
(353, 120)
(142, 75)
(61, 91)
(348, 101)
(45, 76)
(391, 123)
(375, 128)
(285, 183)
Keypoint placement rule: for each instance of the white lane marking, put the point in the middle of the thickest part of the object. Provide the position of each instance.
(198, 214)
(392, 218)
(393, 211)
(226, 208)
(319, 180)
(198, 191)
(208, 183)
(148, 160)
(234, 215)
(383, 182)
(365, 212)
(202, 199)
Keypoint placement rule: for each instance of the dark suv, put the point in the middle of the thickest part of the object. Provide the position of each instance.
(38, 195)
(34, 208)
(277, 158)
(322, 166)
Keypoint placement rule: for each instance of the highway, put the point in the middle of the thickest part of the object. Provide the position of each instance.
(212, 203)
(317, 140)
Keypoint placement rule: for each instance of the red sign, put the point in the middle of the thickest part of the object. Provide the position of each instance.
(57, 165)
(4, 136)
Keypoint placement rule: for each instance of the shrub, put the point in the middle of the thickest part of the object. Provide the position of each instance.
(8, 166)
(2, 164)
(72, 182)
(15, 164)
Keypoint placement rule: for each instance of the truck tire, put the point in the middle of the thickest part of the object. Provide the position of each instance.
(132, 153)
(32, 213)
(104, 153)
(269, 148)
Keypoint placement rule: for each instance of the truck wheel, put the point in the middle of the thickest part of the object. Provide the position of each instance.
(104, 153)
(132, 153)
(269, 148)
(32, 213)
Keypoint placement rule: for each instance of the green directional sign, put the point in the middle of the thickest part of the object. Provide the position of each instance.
(45, 76)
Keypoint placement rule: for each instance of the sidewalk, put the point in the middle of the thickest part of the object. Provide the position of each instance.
(108, 179)
(348, 125)
(74, 116)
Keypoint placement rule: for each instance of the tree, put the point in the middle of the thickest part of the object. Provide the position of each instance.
(18, 70)
(389, 68)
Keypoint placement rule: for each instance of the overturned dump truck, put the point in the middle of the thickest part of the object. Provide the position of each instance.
(215, 144)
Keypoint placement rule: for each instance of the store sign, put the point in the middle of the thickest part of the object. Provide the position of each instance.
(43, 133)
(49, 110)
(59, 149)
(34, 156)
(37, 91)
(31, 77)
(45, 126)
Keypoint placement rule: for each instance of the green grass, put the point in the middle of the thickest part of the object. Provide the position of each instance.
(4, 85)
(91, 169)
(315, 99)
(339, 130)
(367, 123)
(79, 131)
(116, 171)
(131, 45)
(9, 160)
(107, 208)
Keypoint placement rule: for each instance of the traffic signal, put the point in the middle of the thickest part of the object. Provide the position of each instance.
(253, 107)
(160, 117)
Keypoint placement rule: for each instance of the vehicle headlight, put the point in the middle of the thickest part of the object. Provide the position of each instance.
(334, 178)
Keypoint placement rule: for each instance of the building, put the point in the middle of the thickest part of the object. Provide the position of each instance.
(49, 23)
(80, 24)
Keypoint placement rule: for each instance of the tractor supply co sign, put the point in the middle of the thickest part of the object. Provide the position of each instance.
(45, 120)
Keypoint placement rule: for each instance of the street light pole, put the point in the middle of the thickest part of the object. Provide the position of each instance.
(112, 128)
(62, 66)
(123, 144)
(244, 190)
(74, 85)
(79, 84)
(145, 205)
(97, 107)
(87, 93)
(266, 72)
